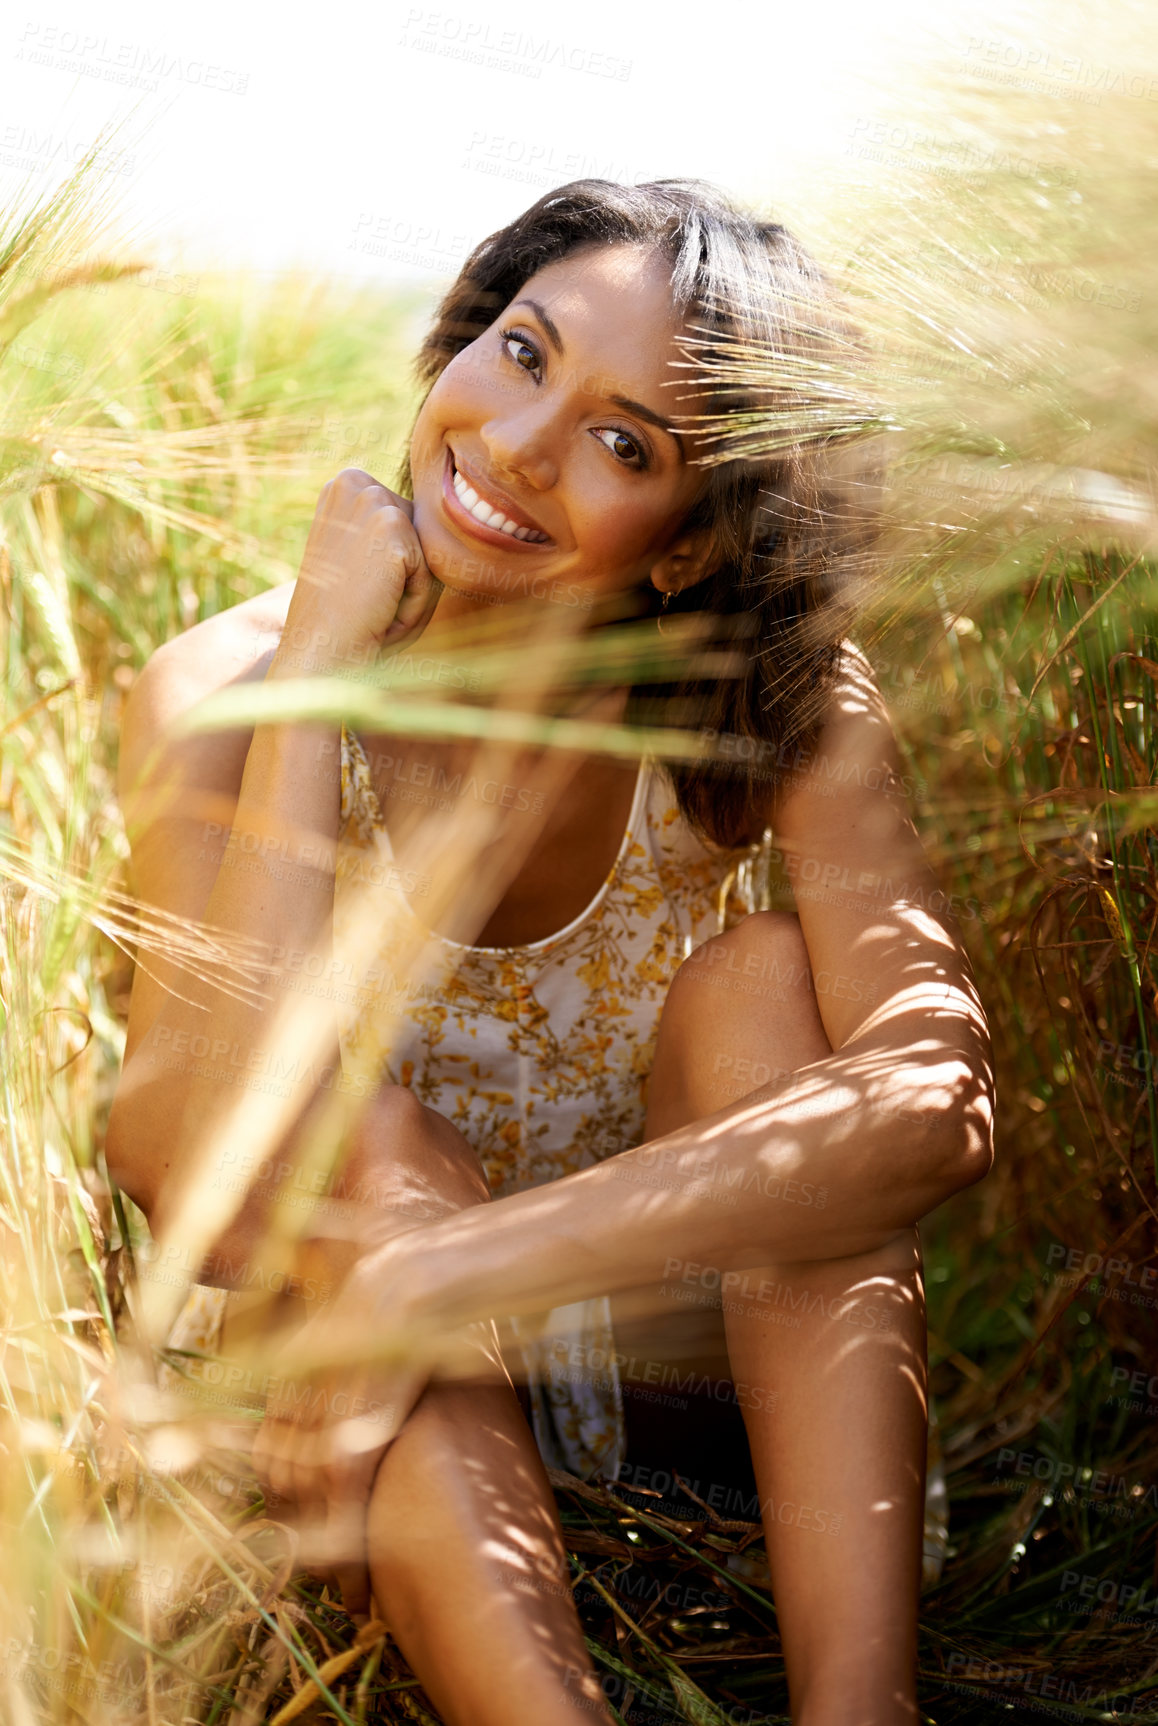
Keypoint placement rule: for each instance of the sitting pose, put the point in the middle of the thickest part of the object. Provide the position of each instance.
(676, 1140)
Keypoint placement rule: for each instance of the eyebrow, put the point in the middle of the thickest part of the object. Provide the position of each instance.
(644, 413)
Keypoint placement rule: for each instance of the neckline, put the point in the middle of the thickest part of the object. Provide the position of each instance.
(544, 941)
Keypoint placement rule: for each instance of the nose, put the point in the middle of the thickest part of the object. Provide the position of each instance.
(523, 442)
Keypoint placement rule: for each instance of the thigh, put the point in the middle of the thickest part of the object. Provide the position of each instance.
(740, 1014)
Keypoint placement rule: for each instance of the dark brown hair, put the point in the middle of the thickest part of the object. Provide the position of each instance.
(780, 535)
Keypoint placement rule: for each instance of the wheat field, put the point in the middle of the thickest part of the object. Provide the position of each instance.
(162, 443)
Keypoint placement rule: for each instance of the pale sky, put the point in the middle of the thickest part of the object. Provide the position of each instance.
(384, 141)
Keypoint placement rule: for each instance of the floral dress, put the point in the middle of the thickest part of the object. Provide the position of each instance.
(541, 1055)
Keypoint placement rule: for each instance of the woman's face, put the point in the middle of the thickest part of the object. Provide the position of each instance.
(551, 428)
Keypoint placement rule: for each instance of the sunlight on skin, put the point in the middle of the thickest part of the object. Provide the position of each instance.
(428, 1286)
(245, 1126)
(831, 1166)
(611, 527)
(836, 1122)
(609, 524)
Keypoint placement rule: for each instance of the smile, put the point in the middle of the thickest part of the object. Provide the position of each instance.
(483, 517)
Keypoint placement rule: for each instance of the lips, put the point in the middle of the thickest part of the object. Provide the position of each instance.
(486, 511)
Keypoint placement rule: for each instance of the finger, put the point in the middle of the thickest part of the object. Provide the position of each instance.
(420, 595)
(352, 479)
(348, 1547)
(313, 1508)
(273, 1463)
(350, 1482)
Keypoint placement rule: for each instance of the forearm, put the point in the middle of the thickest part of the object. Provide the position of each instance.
(205, 1047)
(854, 1149)
(403, 1167)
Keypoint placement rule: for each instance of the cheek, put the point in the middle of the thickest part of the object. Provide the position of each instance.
(470, 381)
(616, 529)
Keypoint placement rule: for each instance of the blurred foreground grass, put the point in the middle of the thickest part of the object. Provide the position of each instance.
(162, 443)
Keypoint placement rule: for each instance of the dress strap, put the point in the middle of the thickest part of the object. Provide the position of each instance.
(360, 806)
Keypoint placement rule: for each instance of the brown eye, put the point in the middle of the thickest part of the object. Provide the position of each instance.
(524, 356)
(623, 447)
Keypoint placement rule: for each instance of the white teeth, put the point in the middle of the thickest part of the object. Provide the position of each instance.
(489, 516)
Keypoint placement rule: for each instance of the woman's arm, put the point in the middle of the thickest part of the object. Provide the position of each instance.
(847, 1153)
(199, 811)
(237, 832)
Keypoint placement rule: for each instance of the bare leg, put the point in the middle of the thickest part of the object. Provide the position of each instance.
(840, 1457)
(466, 1550)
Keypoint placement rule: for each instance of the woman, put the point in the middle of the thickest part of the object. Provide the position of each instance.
(741, 1178)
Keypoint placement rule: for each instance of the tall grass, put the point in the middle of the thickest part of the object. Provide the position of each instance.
(162, 443)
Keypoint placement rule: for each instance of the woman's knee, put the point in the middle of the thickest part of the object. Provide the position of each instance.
(740, 1014)
(757, 973)
(765, 947)
(398, 1138)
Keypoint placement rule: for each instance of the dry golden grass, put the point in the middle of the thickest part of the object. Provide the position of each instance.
(159, 457)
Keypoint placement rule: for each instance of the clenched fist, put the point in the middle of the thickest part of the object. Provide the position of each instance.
(364, 586)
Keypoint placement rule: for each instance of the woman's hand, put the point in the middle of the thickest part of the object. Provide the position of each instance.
(364, 584)
(325, 1432)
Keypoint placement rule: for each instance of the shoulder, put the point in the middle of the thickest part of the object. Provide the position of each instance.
(855, 703)
(233, 646)
(853, 763)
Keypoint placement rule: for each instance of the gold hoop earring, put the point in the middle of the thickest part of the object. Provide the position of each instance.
(663, 612)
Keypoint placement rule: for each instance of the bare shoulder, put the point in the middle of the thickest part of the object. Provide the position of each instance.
(854, 764)
(856, 700)
(220, 650)
(234, 646)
